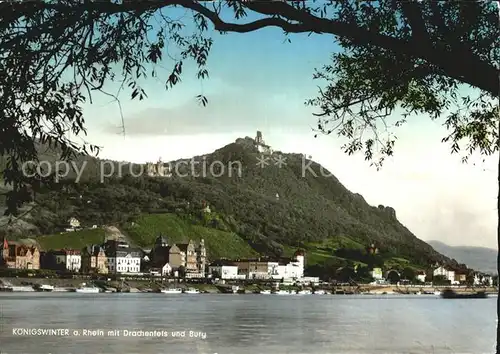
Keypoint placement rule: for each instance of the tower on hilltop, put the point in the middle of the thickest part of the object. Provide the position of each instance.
(261, 145)
(157, 169)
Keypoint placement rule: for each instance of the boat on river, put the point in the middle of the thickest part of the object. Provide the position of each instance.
(87, 290)
(84, 289)
(284, 292)
(171, 291)
(265, 292)
(191, 291)
(304, 292)
(43, 287)
(450, 294)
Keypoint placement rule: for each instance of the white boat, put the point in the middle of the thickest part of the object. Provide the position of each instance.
(191, 291)
(320, 292)
(265, 292)
(44, 287)
(87, 290)
(84, 289)
(235, 289)
(22, 289)
(171, 291)
(304, 292)
(437, 293)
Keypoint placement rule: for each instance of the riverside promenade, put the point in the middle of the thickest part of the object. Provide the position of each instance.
(155, 286)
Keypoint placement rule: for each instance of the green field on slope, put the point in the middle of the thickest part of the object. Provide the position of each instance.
(74, 240)
(219, 243)
(147, 227)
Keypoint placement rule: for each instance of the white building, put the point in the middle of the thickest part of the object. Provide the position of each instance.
(447, 273)
(123, 259)
(166, 269)
(421, 277)
(70, 259)
(483, 279)
(73, 224)
(225, 270)
(377, 274)
(290, 269)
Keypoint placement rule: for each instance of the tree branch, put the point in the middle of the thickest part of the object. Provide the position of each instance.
(413, 13)
(457, 63)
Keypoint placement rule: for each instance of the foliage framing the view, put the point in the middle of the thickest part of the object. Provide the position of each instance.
(413, 56)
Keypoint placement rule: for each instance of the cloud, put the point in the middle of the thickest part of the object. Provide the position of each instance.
(223, 114)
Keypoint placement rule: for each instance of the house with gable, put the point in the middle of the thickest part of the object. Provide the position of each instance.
(94, 260)
(190, 256)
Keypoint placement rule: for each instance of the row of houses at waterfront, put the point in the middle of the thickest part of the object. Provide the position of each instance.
(188, 260)
(261, 268)
(457, 276)
(118, 257)
(112, 256)
(448, 274)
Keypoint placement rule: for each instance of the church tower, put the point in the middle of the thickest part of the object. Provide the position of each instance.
(161, 241)
(202, 256)
(5, 251)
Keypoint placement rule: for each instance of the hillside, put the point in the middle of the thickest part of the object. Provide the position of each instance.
(479, 258)
(272, 210)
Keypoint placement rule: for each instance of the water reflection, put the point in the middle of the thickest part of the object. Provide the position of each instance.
(244, 324)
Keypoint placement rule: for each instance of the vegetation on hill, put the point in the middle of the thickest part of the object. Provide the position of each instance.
(267, 211)
(144, 230)
(220, 244)
(73, 240)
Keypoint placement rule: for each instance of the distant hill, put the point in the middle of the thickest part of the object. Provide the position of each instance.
(478, 258)
(272, 210)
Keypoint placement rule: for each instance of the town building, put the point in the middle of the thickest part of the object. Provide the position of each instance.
(488, 280)
(377, 274)
(372, 249)
(460, 277)
(190, 257)
(94, 260)
(290, 268)
(284, 268)
(447, 273)
(421, 276)
(19, 255)
(205, 208)
(224, 269)
(73, 224)
(481, 279)
(122, 258)
(255, 268)
(64, 259)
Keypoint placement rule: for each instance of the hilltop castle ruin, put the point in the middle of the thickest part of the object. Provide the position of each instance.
(157, 169)
(261, 145)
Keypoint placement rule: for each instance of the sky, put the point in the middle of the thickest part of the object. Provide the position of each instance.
(259, 81)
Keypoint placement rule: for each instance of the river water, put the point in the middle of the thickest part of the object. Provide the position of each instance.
(245, 324)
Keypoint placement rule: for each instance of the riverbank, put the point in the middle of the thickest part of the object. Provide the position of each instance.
(24, 284)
